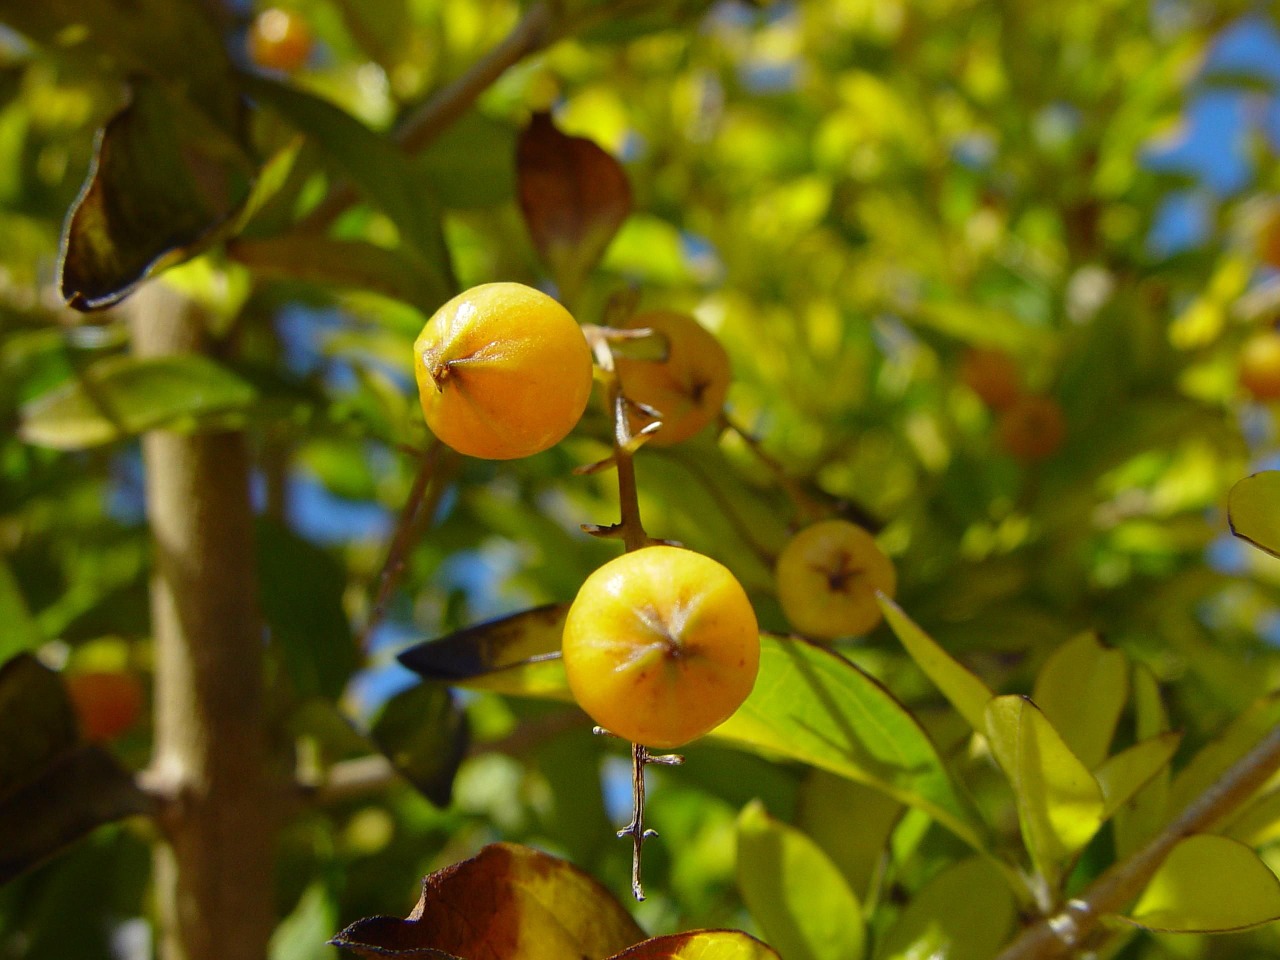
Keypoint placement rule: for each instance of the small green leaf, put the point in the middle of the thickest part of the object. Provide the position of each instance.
(1258, 823)
(122, 396)
(1208, 884)
(164, 179)
(301, 590)
(1059, 802)
(964, 913)
(851, 822)
(1082, 689)
(962, 688)
(1124, 774)
(793, 890)
(424, 734)
(507, 901)
(1253, 510)
(21, 633)
(313, 258)
(700, 945)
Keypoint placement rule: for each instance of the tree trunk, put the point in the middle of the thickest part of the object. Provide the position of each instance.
(214, 872)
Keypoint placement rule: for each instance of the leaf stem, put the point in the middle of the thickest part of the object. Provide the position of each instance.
(1077, 923)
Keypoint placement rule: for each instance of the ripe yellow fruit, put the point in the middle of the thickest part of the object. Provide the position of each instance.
(688, 388)
(280, 40)
(992, 375)
(1259, 365)
(661, 645)
(1033, 428)
(828, 575)
(503, 371)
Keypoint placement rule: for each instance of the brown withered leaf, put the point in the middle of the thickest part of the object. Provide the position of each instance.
(574, 197)
(506, 902)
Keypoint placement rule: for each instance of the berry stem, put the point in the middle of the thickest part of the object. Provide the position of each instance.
(631, 531)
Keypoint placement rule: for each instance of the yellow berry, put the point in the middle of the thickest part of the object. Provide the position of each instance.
(827, 577)
(503, 371)
(106, 704)
(688, 388)
(280, 40)
(661, 646)
(1259, 365)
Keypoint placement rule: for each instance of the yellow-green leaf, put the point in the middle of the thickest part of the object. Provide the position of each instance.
(851, 822)
(963, 689)
(701, 945)
(1059, 802)
(1082, 689)
(1139, 818)
(509, 902)
(963, 913)
(1208, 884)
(1253, 510)
(1258, 823)
(122, 396)
(1124, 774)
(794, 891)
(21, 632)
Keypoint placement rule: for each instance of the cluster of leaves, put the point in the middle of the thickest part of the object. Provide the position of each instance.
(852, 194)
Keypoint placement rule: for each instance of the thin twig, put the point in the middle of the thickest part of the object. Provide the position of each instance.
(418, 511)
(1077, 923)
(421, 127)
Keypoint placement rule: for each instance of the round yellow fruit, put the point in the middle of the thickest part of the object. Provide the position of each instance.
(503, 371)
(661, 645)
(688, 388)
(827, 577)
(1259, 365)
(280, 40)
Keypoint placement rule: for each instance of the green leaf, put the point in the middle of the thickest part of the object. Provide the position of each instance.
(963, 689)
(424, 734)
(1082, 689)
(700, 945)
(373, 162)
(171, 41)
(1253, 510)
(317, 259)
(122, 396)
(963, 913)
(472, 164)
(301, 590)
(1124, 774)
(1140, 817)
(21, 633)
(808, 704)
(507, 901)
(1208, 884)
(812, 705)
(851, 822)
(1213, 759)
(798, 896)
(1059, 802)
(301, 935)
(164, 179)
